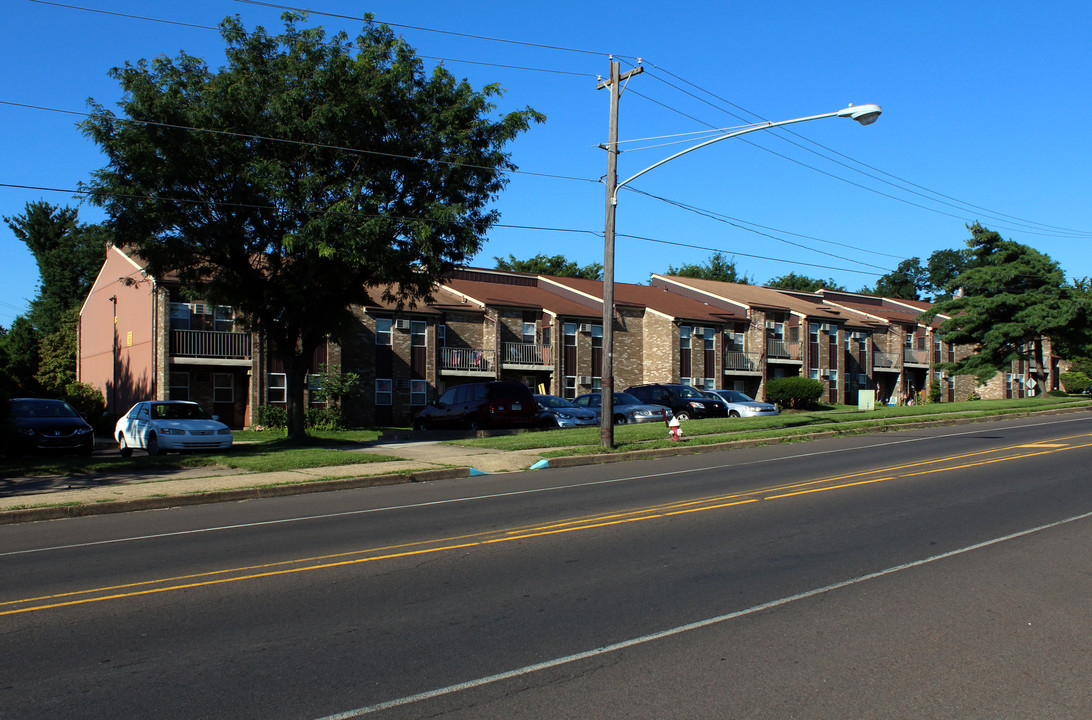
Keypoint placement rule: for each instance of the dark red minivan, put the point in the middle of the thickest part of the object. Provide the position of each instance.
(480, 405)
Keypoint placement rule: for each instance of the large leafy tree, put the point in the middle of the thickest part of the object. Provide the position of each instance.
(803, 283)
(717, 267)
(69, 255)
(557, 265)
(1010, 297)
(301, 173)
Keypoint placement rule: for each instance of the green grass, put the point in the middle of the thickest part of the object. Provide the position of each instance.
(842, 419)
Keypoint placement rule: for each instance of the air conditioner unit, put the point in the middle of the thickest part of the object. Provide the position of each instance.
(585, 380)
(771, 325)
(201, 309)
(830, 329)
(585, 327)
(403, 383)
(401, 324)
(698, 332)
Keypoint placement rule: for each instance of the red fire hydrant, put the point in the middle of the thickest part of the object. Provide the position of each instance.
(675, 430)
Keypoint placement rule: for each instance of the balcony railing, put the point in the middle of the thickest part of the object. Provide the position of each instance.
(782, 349)
(527, 354)
(210, 344)
(467, 359)
(884, 359)
(739, 360)
(916, 357)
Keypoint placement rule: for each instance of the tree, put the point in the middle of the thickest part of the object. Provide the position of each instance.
(69, 255)
(19, 350)
(803, 283)
(57, 355)
(304, 172)
(556, 265)
(904, 282)
(1012, 297)
(717, 267)
(941, 271)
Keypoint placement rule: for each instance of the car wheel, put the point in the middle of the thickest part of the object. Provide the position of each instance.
(153, 445)
(683, 416)
(733, 413)
(420, 425)
(123, 447)
(474, 424)
(619, 419)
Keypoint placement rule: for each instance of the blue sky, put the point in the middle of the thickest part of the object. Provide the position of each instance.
(986, 117)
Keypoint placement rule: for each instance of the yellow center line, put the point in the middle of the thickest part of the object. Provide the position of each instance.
(588, 522)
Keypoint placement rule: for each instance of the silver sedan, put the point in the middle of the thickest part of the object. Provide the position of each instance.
(627, 409)
(741, 405)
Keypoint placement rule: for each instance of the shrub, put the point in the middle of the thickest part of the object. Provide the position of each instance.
(794, 392)
(1075, 382)
(324, 418)
(934, 390)
(271, 416)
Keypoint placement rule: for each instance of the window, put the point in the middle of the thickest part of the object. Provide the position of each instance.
(384, 392)
(441, 335)
(597, 336)
(417, 333)
(570, 334)
(180, 316)
(418, 392)
(223, 318)
(813, 373)
(223, 388)
(546, 335)
(709, 339)
(180, 386)
(833, 380)
(570, 386)
(733, 340)
(710, 384)
(684, 381)
(278, 388)
(529, 333)
(597, 384)
(813, 333)
(684, 337)
(383, 327)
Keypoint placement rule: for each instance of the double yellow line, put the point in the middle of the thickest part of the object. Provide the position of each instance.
(578, 524)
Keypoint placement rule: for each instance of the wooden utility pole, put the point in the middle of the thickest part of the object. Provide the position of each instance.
(606, 416)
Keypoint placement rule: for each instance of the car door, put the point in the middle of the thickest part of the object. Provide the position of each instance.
(137, 437)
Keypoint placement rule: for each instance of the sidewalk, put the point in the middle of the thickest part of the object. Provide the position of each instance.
(44, 498)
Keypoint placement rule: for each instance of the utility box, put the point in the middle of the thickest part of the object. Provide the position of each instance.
(866, 400)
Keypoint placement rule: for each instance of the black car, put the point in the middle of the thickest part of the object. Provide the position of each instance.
(686, 402)
(49, 426)
(480, 405)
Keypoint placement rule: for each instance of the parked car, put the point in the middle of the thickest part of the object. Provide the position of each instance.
(686, 402)
(43, 425)
(741, 405)
(557, 412)
(165, 425)
(479, 405)
(627, 409)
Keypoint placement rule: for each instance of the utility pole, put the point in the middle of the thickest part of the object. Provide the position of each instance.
(606, 394)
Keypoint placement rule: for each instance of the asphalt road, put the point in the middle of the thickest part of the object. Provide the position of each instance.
(943, 573)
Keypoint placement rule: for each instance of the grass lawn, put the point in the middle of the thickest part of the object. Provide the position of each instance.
(783, 427)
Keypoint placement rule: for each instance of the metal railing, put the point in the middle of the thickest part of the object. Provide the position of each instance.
(739, 360)
(527, 354)
(782, 349)
(884, 359)
(210, 344)
(917, 357)
(469, 359)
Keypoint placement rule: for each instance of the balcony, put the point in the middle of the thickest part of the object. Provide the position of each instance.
(884, 359)
(778, 349)
(527, 355)
(912, 356)
(210, 345)
(467, 361)
(740, 360)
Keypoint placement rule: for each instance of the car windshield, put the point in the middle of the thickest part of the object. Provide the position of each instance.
(552, 401)
(42, 409)
(178, 411)
(735, 396)
(689, 392)
(626, 399)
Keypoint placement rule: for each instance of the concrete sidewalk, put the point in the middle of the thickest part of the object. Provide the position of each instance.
(43, 498)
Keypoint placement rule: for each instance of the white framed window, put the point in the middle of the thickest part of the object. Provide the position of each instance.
(597, 384)
(710, 384)
(570, 386)
(223, 318)
(180, 316)
(180, 386)
(223, 388)
(441, 335)
(529, 333)
(685, 332)
(813, 373)
(418, 392)
(546, 332)
(417, 333)
(833, 380)
(384, 392)
(278, 388)
(685, 381)
(383, 329)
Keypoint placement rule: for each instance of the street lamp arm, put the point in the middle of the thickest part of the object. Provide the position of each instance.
(864, 114)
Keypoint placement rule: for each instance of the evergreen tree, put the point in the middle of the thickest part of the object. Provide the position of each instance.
(556, 265)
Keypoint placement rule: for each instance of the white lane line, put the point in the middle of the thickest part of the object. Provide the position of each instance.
(514, 493)
(615, 647)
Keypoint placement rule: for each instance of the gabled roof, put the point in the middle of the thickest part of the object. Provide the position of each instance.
(657, 299)
(517, 290)
(900, 311)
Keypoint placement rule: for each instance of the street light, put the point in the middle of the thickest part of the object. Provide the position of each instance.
(864, 114)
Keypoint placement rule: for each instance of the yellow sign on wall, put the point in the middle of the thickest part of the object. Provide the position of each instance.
(129, 339)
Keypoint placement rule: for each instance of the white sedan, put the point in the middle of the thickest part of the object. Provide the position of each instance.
(161, 425)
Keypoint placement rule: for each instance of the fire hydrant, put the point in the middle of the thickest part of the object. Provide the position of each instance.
(675, 430)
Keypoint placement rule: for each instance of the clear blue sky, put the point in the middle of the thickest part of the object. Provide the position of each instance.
(986, 117)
